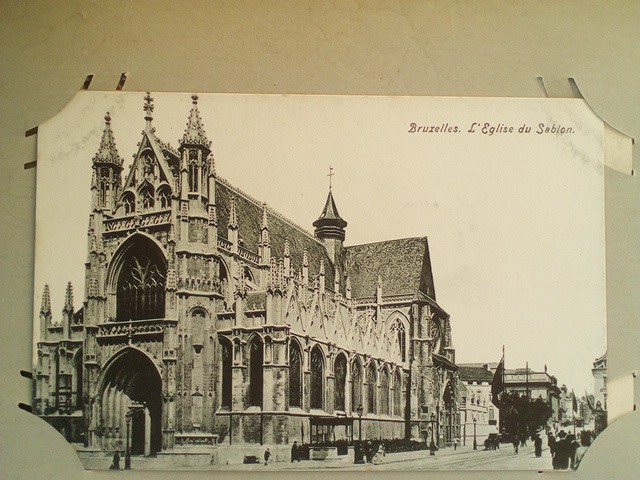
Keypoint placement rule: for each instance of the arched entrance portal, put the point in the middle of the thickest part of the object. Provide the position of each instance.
(131, 379)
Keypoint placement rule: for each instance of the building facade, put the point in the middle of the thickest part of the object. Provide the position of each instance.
(211, 319)
(479, 417)
(535, 385)
(599, 372)
(599, 403)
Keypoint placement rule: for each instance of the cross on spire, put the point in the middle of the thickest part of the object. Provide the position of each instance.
(331, 174)
(148, 104)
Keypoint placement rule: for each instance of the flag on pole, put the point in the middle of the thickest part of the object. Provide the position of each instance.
(575, 402)
(497, 384)
(589, 402)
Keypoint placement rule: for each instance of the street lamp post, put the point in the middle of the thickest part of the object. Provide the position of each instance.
(475, 443)
(358, 450)
(432, 445)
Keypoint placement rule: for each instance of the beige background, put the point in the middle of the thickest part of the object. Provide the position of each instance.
(409, 48)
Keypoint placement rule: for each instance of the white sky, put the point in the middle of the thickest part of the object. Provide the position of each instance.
(515, 222)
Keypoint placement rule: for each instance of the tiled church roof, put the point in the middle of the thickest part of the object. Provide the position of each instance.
(249, 212)
(404, 265)
(474, 374)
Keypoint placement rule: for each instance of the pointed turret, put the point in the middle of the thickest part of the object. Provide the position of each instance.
(232, 226)
(195, 149)
(194, 133)
(330, 229)
(305, 267)
(321, 284)
(45, 306)
(330, 224)
(45, 314)
(107, 167)
(287, 258)
(265, 239)
(67, 311)
(107, 152)
(233, 215)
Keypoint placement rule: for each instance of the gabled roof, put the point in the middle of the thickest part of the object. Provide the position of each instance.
(249, 212)
(150, 140)
(404, 265)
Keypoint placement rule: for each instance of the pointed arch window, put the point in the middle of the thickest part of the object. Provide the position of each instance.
(164, 197)
(256, 361)
(146, 197)
(295, 375)
(141, 283)
(356, 385)
(384, 392)
(340, 375)
(105, 188)
(226, 373)
(400, 339)
(397, 395)
(194, 171)
(372, 381)
(317, 378)
(129, 203)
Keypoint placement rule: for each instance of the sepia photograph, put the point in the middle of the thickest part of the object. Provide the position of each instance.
(298, 282)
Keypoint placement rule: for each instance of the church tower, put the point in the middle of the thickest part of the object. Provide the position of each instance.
(330, 229)
(195, 149)
(107, 167)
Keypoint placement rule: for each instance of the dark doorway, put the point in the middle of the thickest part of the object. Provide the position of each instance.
(137, 433)
(131, 378)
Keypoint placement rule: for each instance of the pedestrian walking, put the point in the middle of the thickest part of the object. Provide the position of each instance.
(562, 452)
(537, 443)
(377, 458)
(580, 451)
(295, 454)
(551, 443)
(523, 440)
(515, 442)
(267, 455)
(572, 446)
(115, 463)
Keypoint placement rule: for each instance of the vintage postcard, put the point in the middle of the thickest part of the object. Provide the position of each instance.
(251, 282)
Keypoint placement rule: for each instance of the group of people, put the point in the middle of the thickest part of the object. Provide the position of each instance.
(566, 451)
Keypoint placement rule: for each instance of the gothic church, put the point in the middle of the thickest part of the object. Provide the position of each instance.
(209, 319)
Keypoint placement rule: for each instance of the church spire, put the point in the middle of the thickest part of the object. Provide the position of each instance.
(330, 229)
(107, 152)
(194, 133)
(330, 224)
(68, 299)
(45, 307)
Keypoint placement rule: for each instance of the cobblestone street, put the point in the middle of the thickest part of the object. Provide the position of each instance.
(447, 459)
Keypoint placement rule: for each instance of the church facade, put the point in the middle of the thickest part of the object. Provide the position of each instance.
(211, 319)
